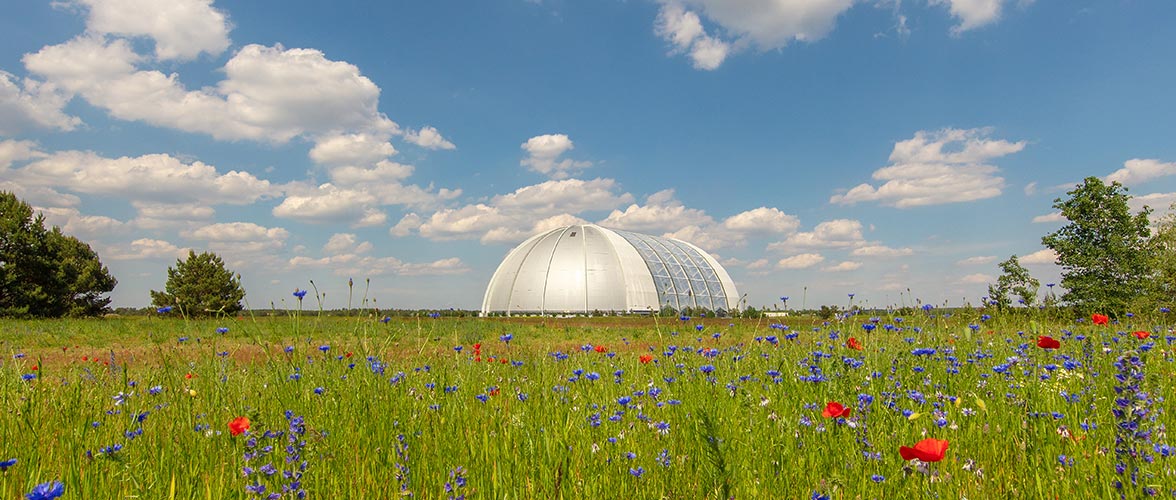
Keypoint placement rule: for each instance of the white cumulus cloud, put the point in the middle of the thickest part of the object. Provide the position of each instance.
(933, 168)
(973, 14)
(181, 29)
(1043, 256)
(801, 261)
(1136, 171)
(543, 156)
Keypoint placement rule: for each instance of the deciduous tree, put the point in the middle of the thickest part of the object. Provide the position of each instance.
(1103, 250)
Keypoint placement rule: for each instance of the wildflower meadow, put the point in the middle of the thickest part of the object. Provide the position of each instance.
(870, 404)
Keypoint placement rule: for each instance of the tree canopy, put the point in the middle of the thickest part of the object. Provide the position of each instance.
(44, 272)
(1014, 282)
(1103, 250)
(201, 286)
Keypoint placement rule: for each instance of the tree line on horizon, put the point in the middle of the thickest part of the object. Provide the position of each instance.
(1112, 261)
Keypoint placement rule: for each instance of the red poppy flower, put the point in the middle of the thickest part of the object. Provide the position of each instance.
(238, 425)
(503, 361)
(853, 343)
(494, 391)
(35, 367)
(477, 358)
(85, 358)
(348, 355)
(189, 376)
(600, 348)
(645, 358)
(927, 450)
(1099, 319)
(478, 347)
(1141, 334)
(1046, 342)
(836, 410)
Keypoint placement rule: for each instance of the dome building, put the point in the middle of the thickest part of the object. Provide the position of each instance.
(587, 268)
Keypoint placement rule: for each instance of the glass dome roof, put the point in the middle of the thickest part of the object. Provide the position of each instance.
(587, 268)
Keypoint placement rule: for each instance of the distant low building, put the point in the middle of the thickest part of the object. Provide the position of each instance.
(585, 268)
(775, 314)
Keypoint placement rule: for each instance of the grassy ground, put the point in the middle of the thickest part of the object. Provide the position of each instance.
(139, 407)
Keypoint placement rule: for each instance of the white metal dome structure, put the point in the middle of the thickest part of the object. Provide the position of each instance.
(587, 268)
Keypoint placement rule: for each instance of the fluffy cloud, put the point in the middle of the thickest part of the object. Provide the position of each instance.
(837, 233)
(1136, 171)
(237, 232)
(269, 93)
(357, 196)
(145, 248)
(1050, 217)
(514, 216)
(153, 215)
(571, 195)
(354, 265)
(428, 138)
(661, 213)
(154, 178)
(326, 204)
(843, 267)
(351, 149)
(881, 251)
(735, 230)
(1043, 256)
(383, 173)
(342, 243)
(800, 261)
(1160, 203)
(762, 220)
(977, 279)
(87, 227)
(37, 105)
(766, 24)
(407, 224)
(543, 156)
(977, 261)
(182, 29)
(684, 31)
(932, 168)
(973, 14)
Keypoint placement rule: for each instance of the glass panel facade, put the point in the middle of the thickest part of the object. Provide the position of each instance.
(682, 276)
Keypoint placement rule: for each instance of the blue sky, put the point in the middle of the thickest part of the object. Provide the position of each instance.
(817, 147)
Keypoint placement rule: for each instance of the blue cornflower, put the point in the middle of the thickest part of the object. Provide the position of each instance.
(324, 348)
(506, 338)
(46, 491)
(816, 494)
(624, 400)
(29, 376)
(164, 310)
(707, 369)
(637, 472)
(299, 293)
(385, 319)
(4, 465)
(877, 478)
(142, 416)
(319, 390)
(222, 329)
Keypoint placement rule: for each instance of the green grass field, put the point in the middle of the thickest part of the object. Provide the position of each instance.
(586, 407)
